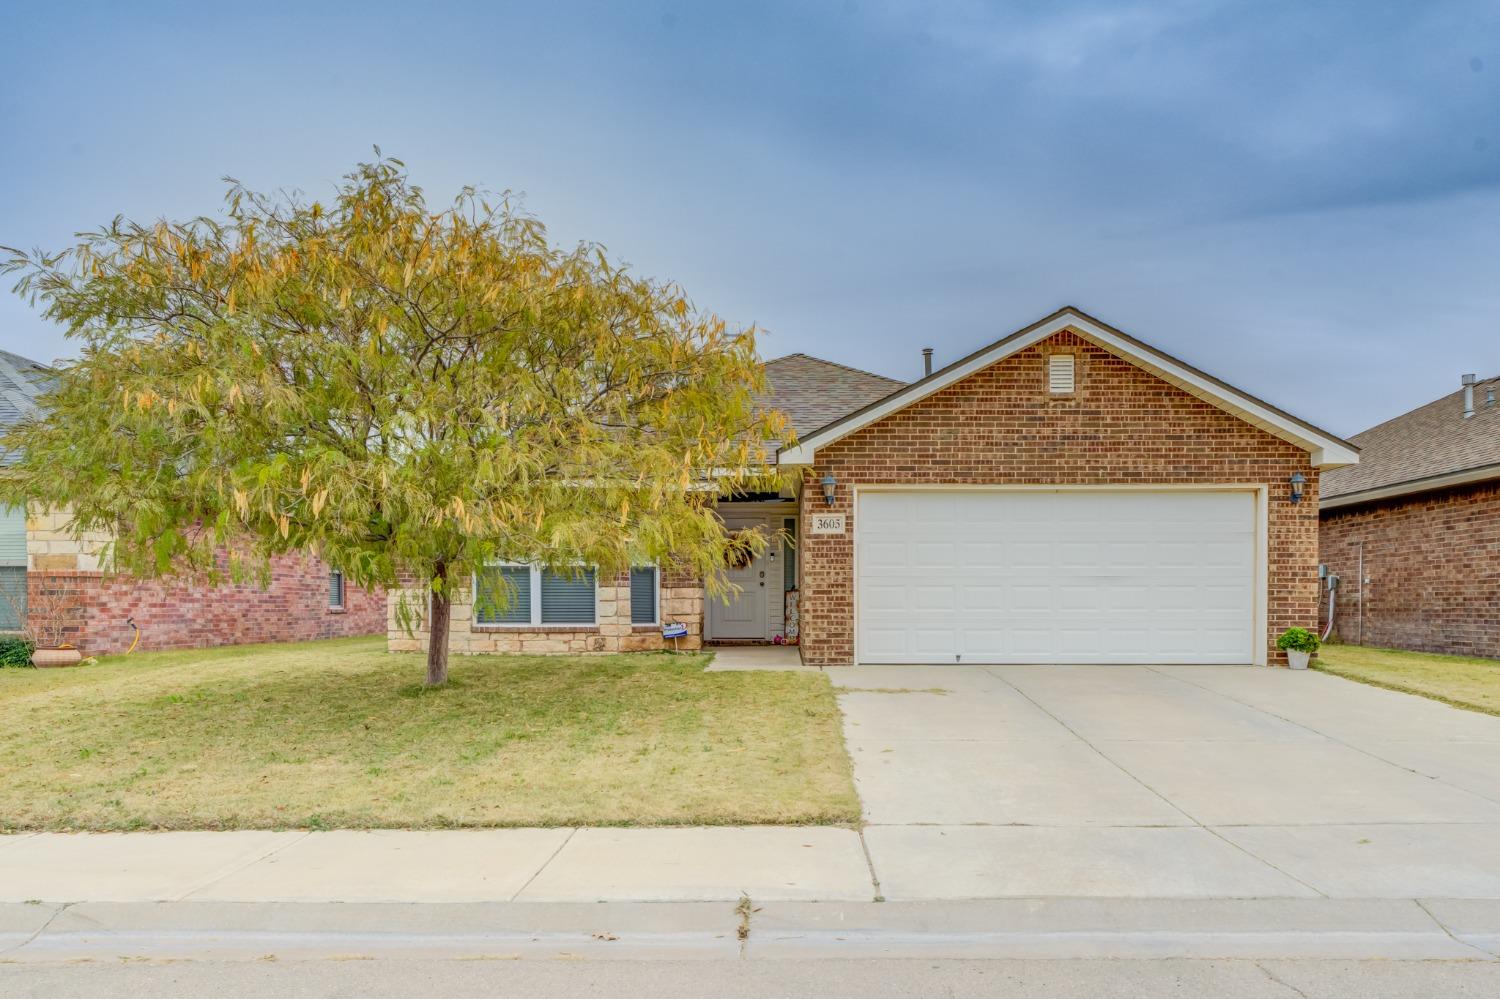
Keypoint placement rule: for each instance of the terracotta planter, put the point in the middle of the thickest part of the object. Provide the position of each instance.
(1297, 660)
(43, 658)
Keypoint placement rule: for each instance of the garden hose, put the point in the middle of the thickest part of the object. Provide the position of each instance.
(137, 639)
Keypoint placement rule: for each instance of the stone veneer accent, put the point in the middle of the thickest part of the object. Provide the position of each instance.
(681, 600)
(1433, 561)
(999, 426)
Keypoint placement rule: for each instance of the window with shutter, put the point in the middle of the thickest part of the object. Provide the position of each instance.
(567, 597)
(643, 595)
(335, 590)
(502, 595)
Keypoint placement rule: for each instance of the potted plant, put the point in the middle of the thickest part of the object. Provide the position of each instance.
(47, 618)
(1299, 644)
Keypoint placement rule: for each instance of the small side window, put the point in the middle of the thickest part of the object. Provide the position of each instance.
(335, 590)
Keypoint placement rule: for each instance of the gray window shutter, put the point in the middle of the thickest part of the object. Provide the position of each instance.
(643, 595)
(568, 598)
(13, 568)
(13, 536)
(503, 595)
(335, 589)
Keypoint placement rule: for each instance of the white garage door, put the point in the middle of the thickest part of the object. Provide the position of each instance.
(1055, 577)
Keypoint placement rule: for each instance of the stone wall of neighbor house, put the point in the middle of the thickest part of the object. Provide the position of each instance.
(51, 546)
(1000, 426)
(1433, 564)
(681, 601)
(182, 614)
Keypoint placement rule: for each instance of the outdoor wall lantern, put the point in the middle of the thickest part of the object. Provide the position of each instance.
(828, 483)
(1298, 480)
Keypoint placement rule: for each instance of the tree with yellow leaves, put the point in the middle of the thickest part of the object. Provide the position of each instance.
(407, 392)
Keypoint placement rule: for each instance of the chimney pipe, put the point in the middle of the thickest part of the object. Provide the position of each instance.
(1468, 384)
(926, 361)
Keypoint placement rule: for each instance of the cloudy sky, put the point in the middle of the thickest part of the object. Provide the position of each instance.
(1302, 198)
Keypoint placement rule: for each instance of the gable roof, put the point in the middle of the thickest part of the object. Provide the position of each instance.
(813, 392)
(1428, 448)
(1325, 450)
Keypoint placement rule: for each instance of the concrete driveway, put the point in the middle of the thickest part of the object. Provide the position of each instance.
(1182, 782)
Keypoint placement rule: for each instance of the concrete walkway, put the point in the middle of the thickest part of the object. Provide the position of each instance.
(777, 658)
(1176, 782)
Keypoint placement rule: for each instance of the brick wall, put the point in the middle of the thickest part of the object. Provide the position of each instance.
(179, 614)
(1433, 562)
(999, 426)
(681, 600)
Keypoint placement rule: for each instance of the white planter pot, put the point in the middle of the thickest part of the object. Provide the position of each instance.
(1297, 660)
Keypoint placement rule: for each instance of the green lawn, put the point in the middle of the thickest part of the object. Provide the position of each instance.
(341, 734)
(1457, 680)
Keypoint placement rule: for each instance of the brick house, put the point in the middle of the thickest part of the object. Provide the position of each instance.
(1413, 531)
(1067, 494)
(41, 561)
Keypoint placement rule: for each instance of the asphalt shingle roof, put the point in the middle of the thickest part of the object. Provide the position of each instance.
(813, 392)
(1434, 439)
(22, 380)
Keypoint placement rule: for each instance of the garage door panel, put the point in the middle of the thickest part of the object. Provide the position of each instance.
(939, 555)
(1090, 577)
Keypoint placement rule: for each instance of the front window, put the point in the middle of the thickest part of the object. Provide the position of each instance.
(529, 596)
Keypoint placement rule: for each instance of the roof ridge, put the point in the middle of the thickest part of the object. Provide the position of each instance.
(1446, 396)
(836, 364)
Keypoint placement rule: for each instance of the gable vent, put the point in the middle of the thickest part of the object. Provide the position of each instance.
(1060, 374)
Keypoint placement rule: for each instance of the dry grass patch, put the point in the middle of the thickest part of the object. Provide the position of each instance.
(1458, 680)
(341, 734)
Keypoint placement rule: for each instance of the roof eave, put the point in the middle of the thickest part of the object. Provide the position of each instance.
(1324, 450)
(1411, 487)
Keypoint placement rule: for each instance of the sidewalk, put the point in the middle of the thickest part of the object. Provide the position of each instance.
(628, 893)
(491, 865)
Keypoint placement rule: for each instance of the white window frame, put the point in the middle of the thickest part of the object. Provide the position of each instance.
(534, 581)
(656, 601)
(343, 590)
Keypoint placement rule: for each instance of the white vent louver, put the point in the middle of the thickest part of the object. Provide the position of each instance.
(1060, 374)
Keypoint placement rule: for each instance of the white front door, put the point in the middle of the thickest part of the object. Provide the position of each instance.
(744, 616)
(1086, 576)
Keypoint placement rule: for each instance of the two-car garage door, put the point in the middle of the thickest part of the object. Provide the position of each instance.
(1085, 576)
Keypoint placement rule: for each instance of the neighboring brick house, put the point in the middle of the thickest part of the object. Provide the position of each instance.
(1066, 495)
(1413, 531)
(42, 562)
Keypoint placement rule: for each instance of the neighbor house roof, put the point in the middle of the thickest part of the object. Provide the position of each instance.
(813, 392)
(1324, 449)
(22, 380)
(1428, 448)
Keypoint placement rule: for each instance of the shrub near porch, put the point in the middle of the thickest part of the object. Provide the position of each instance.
(342, 734)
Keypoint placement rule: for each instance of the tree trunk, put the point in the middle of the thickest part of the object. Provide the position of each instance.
(437, 633)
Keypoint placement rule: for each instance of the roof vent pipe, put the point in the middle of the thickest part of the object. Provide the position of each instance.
(1468, 383)
(926, 361)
